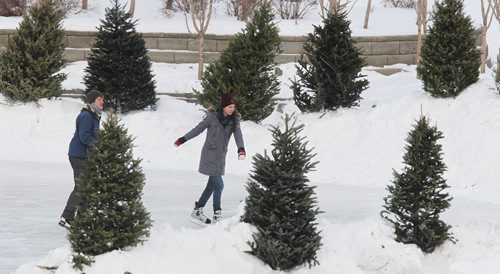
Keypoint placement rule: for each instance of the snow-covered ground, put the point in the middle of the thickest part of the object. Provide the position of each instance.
(357, 149)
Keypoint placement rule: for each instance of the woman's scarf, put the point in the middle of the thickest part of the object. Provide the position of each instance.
(93, 108)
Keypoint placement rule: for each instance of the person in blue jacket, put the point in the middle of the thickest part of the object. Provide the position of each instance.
(87, 125)
(220, 125)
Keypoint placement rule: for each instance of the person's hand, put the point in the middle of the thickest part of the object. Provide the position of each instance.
(241, 154)
(179, 141)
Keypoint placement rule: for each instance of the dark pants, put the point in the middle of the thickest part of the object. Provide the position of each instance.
(78, 165)
(215, 185)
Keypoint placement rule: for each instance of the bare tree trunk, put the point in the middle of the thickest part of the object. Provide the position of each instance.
(132, 8)
(85, 4)
(322, 7)
(332, 7)
(367, 14)
(417, 5)
(418, 8)
(424, 16)
(244, 10)
(201, 20)
(485, 12)
(201, 53)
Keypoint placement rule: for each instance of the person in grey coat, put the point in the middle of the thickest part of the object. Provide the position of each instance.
(220, 125)
(87, 125)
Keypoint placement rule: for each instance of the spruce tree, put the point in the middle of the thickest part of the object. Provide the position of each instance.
(280, 204)
(111, 215)
(450, 59)
(29, 68)
(330, 68)
(246, 68)
(118, 65)
(417, 197)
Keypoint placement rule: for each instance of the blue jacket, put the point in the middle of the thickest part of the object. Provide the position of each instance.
(87, 125)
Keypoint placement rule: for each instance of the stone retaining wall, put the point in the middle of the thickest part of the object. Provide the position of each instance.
(182, 48)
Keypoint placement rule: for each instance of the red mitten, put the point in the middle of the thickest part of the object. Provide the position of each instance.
(241, 154)
(179, 141)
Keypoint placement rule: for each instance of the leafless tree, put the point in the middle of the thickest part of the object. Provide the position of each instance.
(487, 14)
(201, 13)
(293, 9)
(495, 5)
(241, 8)
(334, 5)
(398, 3)
(131, 8)
(367, 14)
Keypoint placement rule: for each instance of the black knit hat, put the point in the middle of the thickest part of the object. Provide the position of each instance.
(92, 95)
(227, 99)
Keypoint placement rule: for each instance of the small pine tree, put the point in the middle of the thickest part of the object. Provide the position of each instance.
(328, 77)
(281, 205)
(417, 195)
(246, 68)
(111, 215)
(118, 64)
(450, 59)
(30, 65)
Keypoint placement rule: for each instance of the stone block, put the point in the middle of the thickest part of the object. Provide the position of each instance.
(80, 41)
(4, 40)
(376, 60)
(400, 59)
(292, 47)
(286, 58)
(209, 45)
(161, 56)
(364, 47)
(151, 42)
(222, 45)
(87, 53)
(185, 57)
(173, 43)
(379, 48)
(7, 31)
(73, 55)
(407, 47)
(193, 57)
(388, 71)
(359, 39)
(211, 57)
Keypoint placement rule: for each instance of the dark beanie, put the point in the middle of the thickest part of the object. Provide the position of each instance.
(227, 99)
(92, 95)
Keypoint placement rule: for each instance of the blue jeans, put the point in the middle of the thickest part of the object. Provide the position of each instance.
(215, 185)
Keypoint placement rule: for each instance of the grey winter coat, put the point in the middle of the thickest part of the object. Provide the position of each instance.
(213, 153)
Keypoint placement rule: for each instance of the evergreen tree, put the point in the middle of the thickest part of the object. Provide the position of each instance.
(111, 215)
(30, 65)
(417, 195)
(328, 77)
(118, 65)
(246, 68)
(280, 204)
(450, 59)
